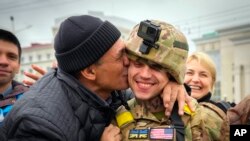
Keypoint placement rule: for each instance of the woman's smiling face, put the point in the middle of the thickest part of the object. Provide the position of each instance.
(198, 78)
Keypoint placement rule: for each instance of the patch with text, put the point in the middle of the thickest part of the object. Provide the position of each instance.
(239, 132)
(138, 134)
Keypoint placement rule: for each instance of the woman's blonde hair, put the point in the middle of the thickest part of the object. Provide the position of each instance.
(205, 61)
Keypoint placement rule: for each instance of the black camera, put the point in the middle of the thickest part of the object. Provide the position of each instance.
(150, 33)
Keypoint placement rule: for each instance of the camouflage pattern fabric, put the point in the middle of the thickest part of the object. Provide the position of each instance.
(204, 125)
(222, 121)
(172, 51)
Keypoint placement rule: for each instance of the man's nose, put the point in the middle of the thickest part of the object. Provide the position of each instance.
(3, 60)
(145, 72)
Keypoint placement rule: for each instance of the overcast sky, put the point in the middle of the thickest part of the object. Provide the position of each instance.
(34, 19)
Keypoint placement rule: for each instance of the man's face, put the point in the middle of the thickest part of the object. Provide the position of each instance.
(9, 62)
(146, 81)
(198, 78)
(112, 68)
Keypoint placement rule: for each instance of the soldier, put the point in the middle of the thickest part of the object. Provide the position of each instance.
(157, 53)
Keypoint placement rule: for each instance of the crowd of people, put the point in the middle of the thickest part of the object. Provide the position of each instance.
(145, 96)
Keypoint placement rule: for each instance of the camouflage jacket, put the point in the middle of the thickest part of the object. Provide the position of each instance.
(204, 124)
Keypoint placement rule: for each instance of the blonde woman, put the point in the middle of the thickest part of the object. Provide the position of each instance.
(200, 76)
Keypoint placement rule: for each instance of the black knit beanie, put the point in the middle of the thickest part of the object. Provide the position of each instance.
(82, 40)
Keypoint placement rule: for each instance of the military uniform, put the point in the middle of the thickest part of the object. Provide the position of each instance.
(203, 124)
(157, 42)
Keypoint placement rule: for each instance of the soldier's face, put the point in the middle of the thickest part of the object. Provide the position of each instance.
(198, 78)
(9, 62)
(146, 81)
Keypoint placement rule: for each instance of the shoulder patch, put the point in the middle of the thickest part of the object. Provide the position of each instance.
(167, 133)
(124, 118)
(188, 111)
(138, 134)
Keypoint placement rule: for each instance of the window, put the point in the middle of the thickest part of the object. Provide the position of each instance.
(30, 58)
(242, 80)
(39, 57)
(217, 92)
(48, 56)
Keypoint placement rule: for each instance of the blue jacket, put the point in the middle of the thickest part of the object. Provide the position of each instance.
(6, 102)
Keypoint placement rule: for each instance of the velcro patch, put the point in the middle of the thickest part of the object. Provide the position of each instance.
(138, 134)
(161, 133)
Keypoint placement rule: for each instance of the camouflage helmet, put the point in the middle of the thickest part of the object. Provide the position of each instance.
(171, 53)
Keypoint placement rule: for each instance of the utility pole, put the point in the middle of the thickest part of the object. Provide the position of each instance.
(12, 23)
(13, 26)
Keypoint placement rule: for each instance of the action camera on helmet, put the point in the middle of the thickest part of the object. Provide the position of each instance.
(150, 33)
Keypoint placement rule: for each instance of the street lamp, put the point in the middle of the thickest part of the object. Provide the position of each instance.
(12, 23)
(13, 26)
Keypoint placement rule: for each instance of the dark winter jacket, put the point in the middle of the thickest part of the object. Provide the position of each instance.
(223, 105)
(58, 108)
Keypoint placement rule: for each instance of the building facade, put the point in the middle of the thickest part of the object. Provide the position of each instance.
(230, 50)
(39, 54)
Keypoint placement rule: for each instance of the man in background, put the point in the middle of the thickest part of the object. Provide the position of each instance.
(10, 54)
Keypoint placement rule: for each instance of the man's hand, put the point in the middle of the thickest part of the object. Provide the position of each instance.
(173, 92)
(34, 77)
(111, 133)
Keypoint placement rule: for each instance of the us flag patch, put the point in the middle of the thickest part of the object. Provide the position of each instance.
(161, 133)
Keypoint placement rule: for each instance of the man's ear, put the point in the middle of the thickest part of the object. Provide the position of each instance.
(89, 73)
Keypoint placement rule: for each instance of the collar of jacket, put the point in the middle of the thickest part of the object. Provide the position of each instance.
(90, 100)
(139, 111)
(205, 98)
(10, 88)
(17, 88)
(80, 89)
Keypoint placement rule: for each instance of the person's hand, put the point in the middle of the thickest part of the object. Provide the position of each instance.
(33, 77)
(111, 133)
(173, 92)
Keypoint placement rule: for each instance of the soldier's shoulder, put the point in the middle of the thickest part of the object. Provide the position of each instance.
(122, 108)
(210, 108)
(124, 116)
(211, 120)
(131, 102)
